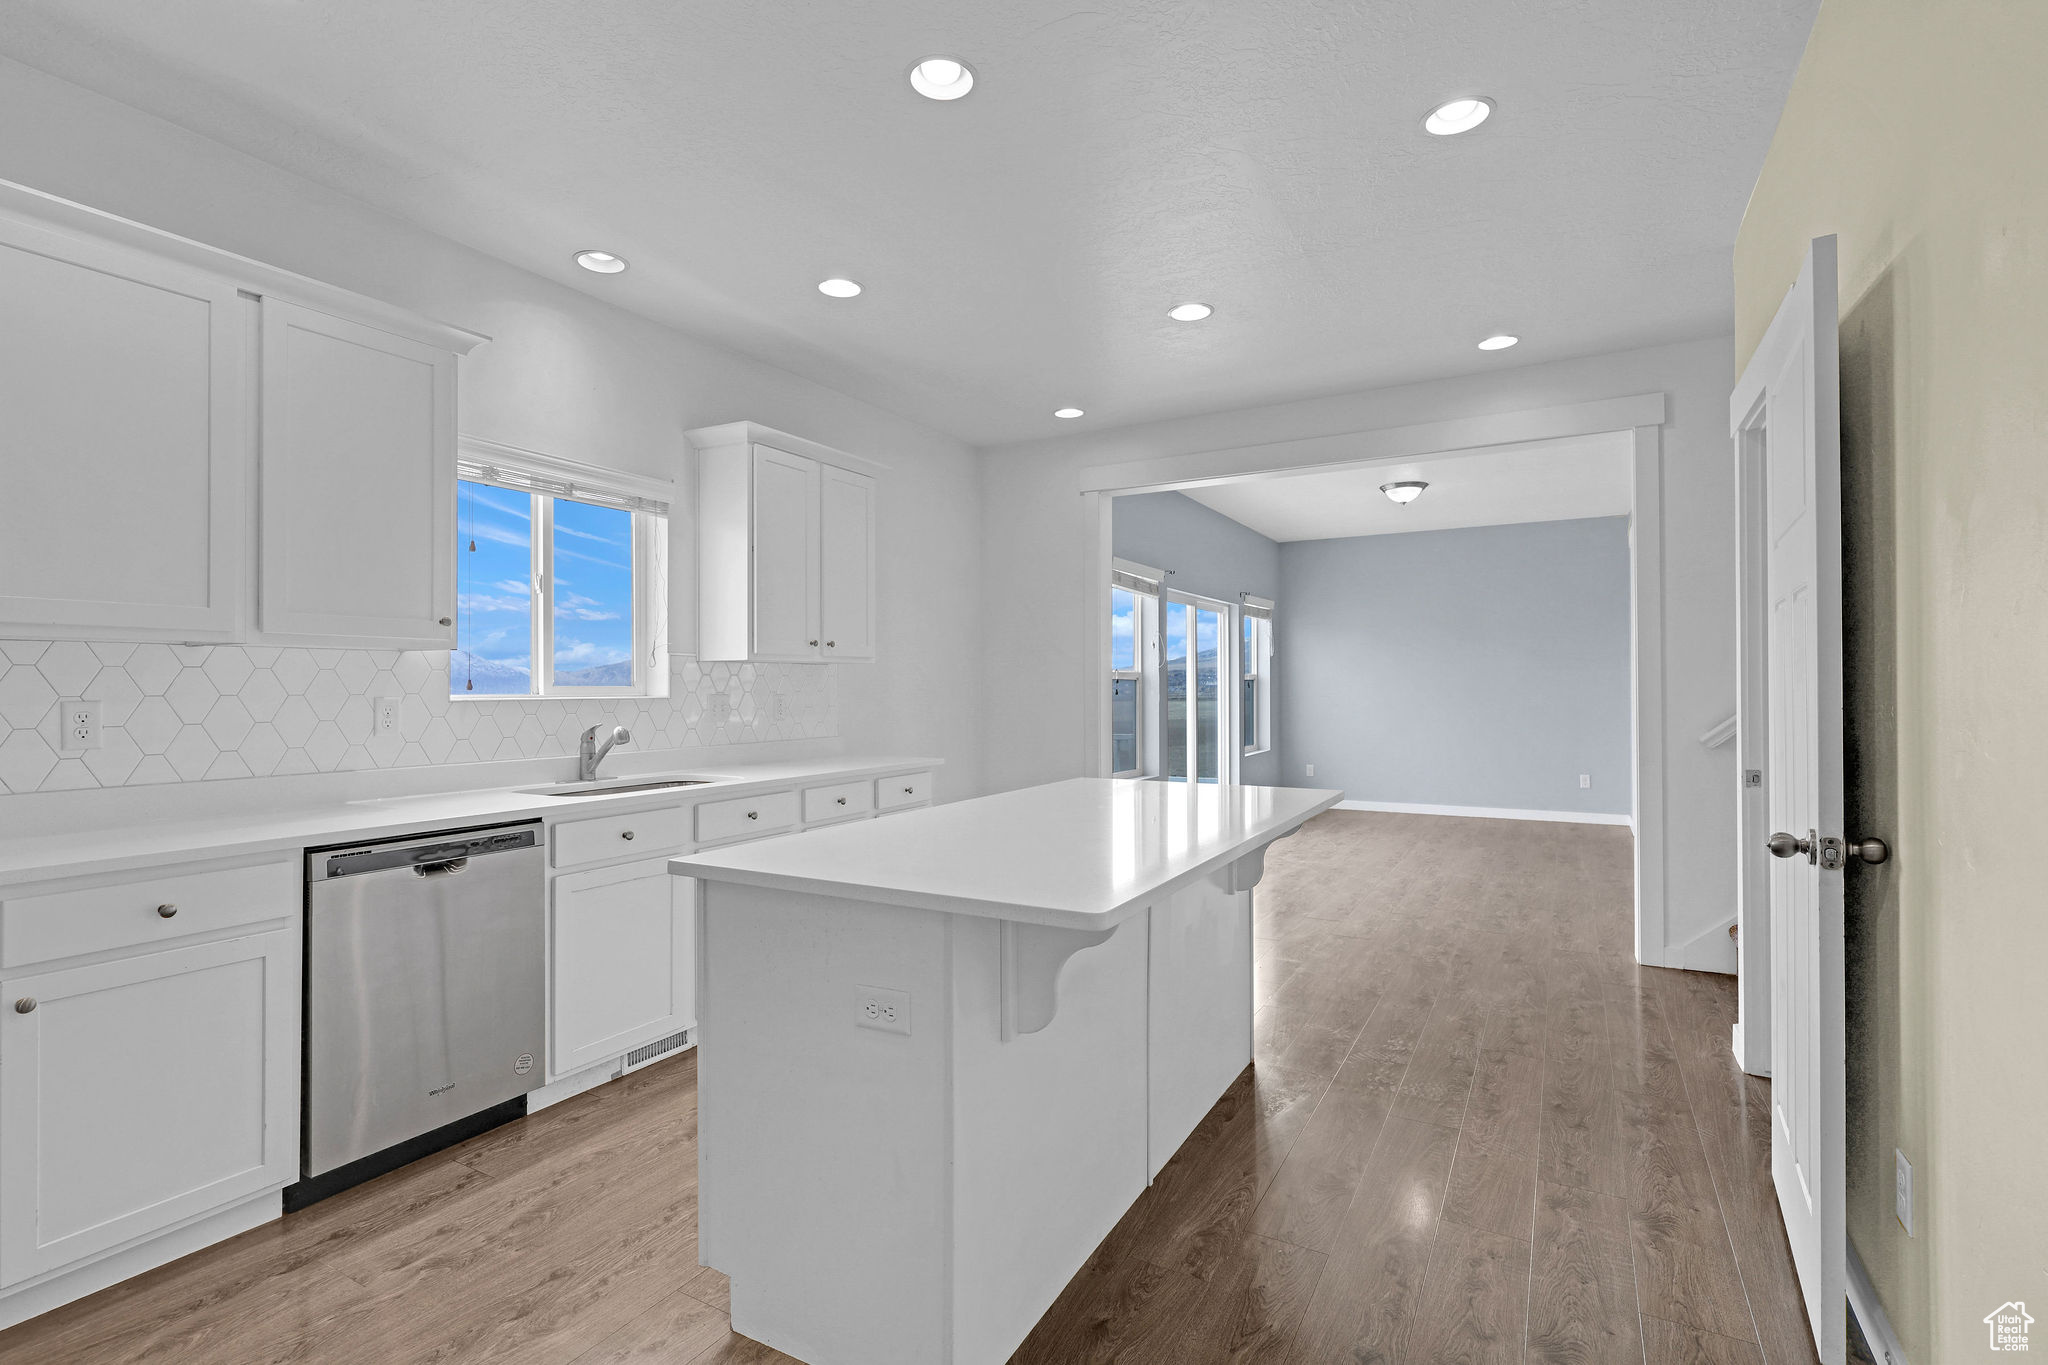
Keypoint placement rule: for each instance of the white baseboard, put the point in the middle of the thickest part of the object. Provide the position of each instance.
(1565, 817)
(1877, 1328)
(58, 1287)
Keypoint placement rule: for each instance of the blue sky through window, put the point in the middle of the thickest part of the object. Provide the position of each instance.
(593, 595)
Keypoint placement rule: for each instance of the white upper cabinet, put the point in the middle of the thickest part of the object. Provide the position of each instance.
(358, 479)
(135, 369)
(786, 548)
(846, 530)
(122, 445)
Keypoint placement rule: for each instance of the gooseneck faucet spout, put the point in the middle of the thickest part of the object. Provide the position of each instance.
(592, 754)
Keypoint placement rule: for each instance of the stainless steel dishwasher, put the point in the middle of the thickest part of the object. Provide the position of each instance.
(425, 1004)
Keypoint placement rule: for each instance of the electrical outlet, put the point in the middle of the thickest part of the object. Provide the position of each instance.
(1903, 1200)
(81, 728)
(1585, 781)
(1311, 770)
(778, 707)
(387, 715)
(717, 707)
(881, 1009)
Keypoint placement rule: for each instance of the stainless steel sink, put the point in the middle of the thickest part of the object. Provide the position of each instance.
(617, 787)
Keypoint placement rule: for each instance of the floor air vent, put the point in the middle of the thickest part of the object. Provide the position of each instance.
(640, 1056)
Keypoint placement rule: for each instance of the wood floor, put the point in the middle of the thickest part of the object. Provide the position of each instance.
(1475, 1132)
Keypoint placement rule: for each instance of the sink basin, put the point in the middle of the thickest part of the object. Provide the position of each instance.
(614, 788)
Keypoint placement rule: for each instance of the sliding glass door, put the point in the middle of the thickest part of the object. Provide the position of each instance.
(1200, 654)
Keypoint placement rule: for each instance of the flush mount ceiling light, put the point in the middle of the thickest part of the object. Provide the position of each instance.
(1189, 312)
(603, 262)
(941, 78)
(838, 289)
(1458, 116)
(1069, 413)
(1499, 342)
(1404, 492)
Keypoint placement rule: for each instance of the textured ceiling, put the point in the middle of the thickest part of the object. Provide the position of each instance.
(1585, 476)
(1021, 246)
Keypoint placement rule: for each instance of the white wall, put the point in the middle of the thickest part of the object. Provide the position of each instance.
(566, 374)
(1035, 531)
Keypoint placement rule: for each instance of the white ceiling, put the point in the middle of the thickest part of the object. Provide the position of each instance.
(1020, 246)
(1583, 476)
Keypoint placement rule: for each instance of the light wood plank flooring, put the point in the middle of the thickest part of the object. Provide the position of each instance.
(1475, 1131)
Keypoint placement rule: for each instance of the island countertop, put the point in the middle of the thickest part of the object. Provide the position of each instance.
(1082, 854)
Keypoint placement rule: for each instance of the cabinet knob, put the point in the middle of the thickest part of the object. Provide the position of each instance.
(446, 622)
(842, 800)
(831, 644)
(910, 791)
(626, 834)
(167, 910)
(814, 644)
(753, 815)
(25, 1005)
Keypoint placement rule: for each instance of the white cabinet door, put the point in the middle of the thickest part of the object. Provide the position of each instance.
(121, 434)
(141, 1092)
(846, 530)
(624, 962)
(785, 556)
(358, 484)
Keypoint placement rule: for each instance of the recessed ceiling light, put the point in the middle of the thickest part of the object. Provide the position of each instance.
(838, 289)
(1404, 492)
(1189, 312)
(1498, 343)
(941, 78)
(1458, 116)
(1067, 412)
(603, 262)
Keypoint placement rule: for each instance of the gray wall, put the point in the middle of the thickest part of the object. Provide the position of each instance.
(1209, 555)
(1486, 666)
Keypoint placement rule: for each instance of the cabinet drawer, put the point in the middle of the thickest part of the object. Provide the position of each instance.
(615, 836)
(910, 789)
(769, 813)
(97, 919)
(840, 802)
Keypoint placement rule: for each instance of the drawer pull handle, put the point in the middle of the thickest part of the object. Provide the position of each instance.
(25, 1005)
(626, 834)
(753, 815)
(842, 800)
(167, 910)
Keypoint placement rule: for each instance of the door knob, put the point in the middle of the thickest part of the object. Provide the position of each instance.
(1783, 845)
(1871, 850)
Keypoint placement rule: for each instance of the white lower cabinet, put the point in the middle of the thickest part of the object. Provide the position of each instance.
(624, 961)
(144, 1091)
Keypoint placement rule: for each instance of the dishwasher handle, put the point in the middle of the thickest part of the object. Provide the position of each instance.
(447, 869)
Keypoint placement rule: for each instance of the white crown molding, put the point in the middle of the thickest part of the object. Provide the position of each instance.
(249, 276)
(753, 433)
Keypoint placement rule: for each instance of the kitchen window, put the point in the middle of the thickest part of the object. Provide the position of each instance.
(560, 580)
(1255, 653)
(1133, 639)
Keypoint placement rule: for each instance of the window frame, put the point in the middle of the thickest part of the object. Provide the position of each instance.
(543, 480)
(1227, 754)
(1144, 658)
(1256, 667)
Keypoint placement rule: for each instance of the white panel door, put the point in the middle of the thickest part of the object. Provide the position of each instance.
(144, 1091)
(785, 556)
(121, 402)
(358, 483)
(624, 962)
(1789, 397)
(847, 539)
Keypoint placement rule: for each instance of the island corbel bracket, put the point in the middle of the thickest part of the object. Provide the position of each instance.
(1244, 874)
(1033, 955)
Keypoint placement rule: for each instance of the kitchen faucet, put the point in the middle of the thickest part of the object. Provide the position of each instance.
(590, 755)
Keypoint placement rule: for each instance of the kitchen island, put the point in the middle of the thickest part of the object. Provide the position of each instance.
(941, 1055)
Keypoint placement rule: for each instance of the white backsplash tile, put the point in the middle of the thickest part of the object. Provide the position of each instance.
(190, 713)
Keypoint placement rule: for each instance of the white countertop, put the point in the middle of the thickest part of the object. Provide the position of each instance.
(154, 844)
(1080, 854)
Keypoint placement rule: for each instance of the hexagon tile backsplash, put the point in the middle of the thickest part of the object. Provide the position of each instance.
(186, 713)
